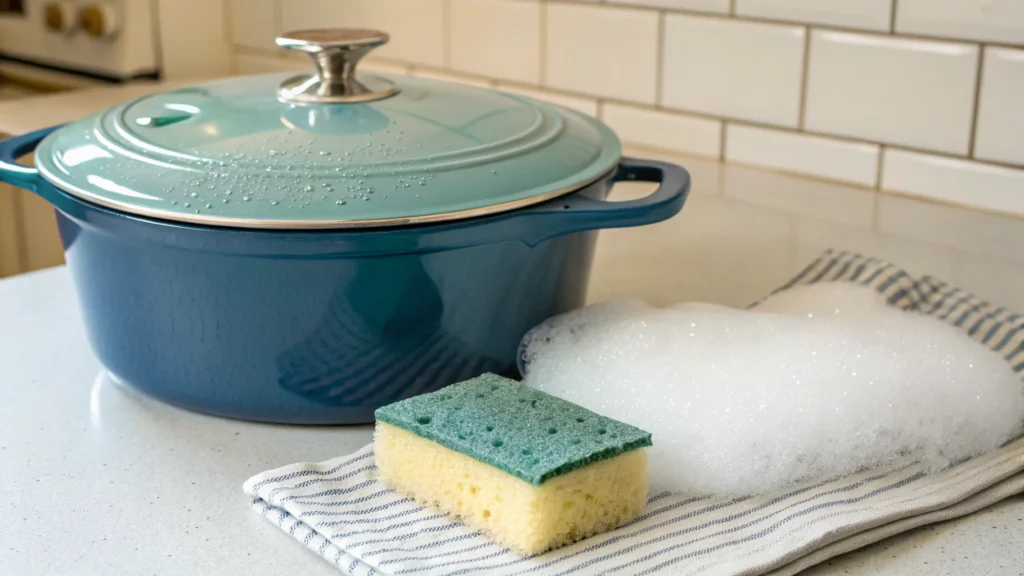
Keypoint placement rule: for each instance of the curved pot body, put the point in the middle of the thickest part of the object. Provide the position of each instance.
(325, 326)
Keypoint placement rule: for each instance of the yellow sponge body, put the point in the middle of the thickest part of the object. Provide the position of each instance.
(527, 518)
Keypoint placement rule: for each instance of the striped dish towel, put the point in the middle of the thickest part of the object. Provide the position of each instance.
(340, 510)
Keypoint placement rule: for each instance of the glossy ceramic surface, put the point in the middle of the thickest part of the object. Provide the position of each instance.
(323, 327)
(230, 153)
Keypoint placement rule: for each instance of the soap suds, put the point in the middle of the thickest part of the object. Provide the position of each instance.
(815, 383)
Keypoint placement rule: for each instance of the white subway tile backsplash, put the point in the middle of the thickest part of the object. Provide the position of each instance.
(954, 180)
(901, 91)
(499, 39)
(416, 26)
(745, 70)
(705, 172)
(984, 20)
(793, 152)
(585, 105)
(866, 14)
(713, 77)
(254, 23)
(450, 77)
(375, 65)
(262, 64)
(603, 51)
(664, 130)
(259, 64)
(1000, 131)
(716, 6)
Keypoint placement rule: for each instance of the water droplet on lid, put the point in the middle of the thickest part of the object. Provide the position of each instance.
(187, 205)
(174, 202)
(339, 202)
(225, 200)
(406, 185)
(228, 192)
(274, 202)
(308, 188)
(209, 205)
(325, 153)
(193, 194)
(246, 199)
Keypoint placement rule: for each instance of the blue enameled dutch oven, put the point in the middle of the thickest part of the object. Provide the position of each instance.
(307, 249)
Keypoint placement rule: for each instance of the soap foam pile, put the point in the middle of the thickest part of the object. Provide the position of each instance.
(816, 383)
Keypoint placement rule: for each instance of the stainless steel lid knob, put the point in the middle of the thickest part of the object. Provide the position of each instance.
(336, 52)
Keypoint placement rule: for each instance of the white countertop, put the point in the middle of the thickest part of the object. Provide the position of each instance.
(99, 480)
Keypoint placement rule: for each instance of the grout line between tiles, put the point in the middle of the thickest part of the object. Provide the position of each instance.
(659, 59)
(228, 25)
(877, 193)
(543, 43)
(412, 68)
(721, 143)
(278, 17)
(784, 22)
(446, 36)
(803, 79)
(936, 201)
(158, 52)
(796, 174)
(876, 208)
(241, 50)
(978, 77)
(705, 116)
(640, 147)
(892, 16)
(879, 166)
(732, 7)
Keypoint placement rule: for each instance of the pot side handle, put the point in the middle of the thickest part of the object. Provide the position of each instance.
(578, 213)
(19, 175)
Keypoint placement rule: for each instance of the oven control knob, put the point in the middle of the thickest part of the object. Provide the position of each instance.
(59, 17)
(98, 20)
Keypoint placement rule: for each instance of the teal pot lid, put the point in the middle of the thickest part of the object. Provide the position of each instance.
(275, 151)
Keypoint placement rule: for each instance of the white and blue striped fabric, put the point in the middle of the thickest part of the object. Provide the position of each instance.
(341, 511)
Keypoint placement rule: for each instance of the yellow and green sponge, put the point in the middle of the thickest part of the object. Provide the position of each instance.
(533, 471)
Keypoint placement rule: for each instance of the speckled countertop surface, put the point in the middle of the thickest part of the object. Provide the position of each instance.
(987, 542)
(98, 480)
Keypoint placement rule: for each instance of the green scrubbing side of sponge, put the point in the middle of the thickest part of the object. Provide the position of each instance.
(525, 432)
